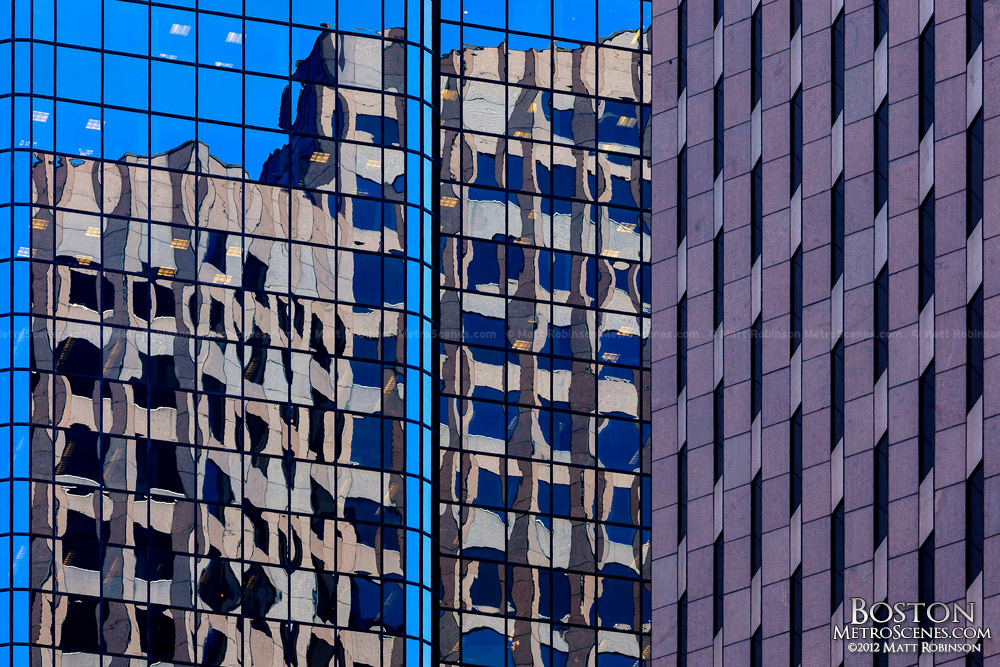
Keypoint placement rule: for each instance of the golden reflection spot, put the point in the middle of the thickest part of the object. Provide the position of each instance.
(626, 226)
(608, 252)
(84, 260)
(93, 232)
(390, 385)
(533, 107)
(610, 357)
(449, 94)
(449, 202)
(112, 356)
(222, 279)
(39, 223)
(233, 251)
(180, 244)
(522, 345)
(167, 271)
(319, 157)
(627, 331)
(521, 134)
(626, 121)
(374, 164)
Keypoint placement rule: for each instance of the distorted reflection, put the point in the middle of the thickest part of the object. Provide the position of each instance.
(544, 267)
(227, 270)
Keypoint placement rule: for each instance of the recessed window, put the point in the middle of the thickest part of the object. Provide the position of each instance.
(757, 46)
(718, 583)
(719, 279)
(681, 195)
(837, 222)
(974, 350)
(837, 393)
(881, 490)
(974, 526)
(881, 20)
(682, 494)
(719, 431)
(927, 251)
(757, 211)
(756, 523)
(837, 557)
(795, 611)
(720, 128)
(757, 367)
(795, 293)
(881, 156)
(974, 175)
(926, 423)
(682, 345)
(682, 43)
(837, 56)
(795, 459)
(974, 27)
(881, 323)
(926, 68)
(796, 141)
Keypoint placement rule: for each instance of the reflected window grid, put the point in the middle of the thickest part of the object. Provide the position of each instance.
(550, 326)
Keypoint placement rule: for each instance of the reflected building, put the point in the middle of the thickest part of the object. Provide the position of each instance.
(327, 336)
(545, 239)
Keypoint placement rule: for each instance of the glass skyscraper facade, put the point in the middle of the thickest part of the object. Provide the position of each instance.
(544, 302)
(324, 332)
(219, 251)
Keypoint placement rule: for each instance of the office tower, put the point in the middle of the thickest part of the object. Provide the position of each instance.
(826, 259)
(222, 294)
(326, 333)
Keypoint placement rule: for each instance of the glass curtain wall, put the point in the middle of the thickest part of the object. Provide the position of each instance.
(221, 215)
(545, 354)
